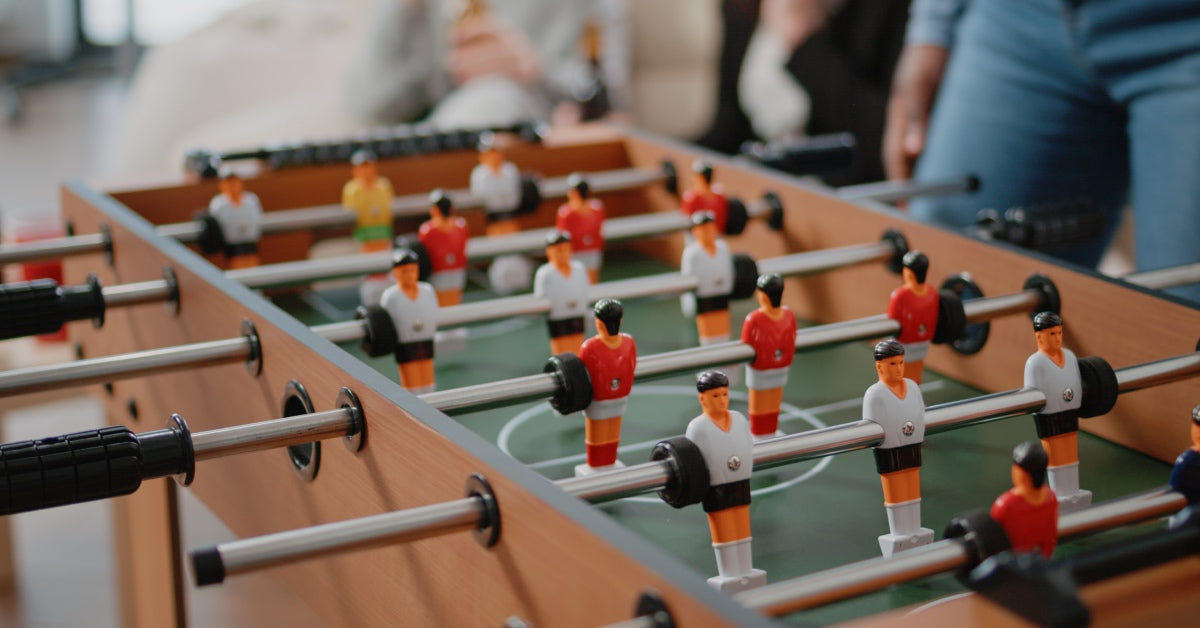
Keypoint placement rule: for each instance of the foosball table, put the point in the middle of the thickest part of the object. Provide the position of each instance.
(229, 355)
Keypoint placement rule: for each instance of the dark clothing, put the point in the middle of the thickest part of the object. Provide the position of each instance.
(846, 68)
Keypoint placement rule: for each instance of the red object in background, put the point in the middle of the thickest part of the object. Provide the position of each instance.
(42, 270)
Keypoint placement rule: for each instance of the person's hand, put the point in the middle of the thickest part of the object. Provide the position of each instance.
(793, 21)
(481, 46)
(918, 75)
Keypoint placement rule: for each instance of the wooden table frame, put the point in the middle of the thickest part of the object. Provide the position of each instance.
(560, 562)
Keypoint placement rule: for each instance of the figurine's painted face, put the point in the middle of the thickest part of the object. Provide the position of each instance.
(705, 234)
(1021, 479)
(231, 187)
(764, 301)
(1049, 340)
(559, 254)
(910, 278)
(891, 370)
(574, 198)
(491, 158)
(406, 275)
(366, 172)
(700, 183)
(715, 401)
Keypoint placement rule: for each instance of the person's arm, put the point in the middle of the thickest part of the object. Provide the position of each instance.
(389, 80)
(916, 81)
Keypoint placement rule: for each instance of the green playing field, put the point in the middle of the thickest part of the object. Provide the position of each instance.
(806, 517)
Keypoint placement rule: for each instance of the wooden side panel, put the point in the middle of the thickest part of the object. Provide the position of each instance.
(1123, 324)
(1160, 596)
(556, 564)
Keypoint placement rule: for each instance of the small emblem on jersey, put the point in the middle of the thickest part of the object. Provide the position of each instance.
(1068, 394)
(719, 281)
(418, 325)
(779, 354)
(450, 258)
(908, 428)
(571, 303)
(587, 239)
(921, 329)
(734, 463)
(615, 383)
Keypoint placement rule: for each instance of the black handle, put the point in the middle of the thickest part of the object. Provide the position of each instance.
(820, 154)
(90, 465)
(1043, 226)
(42, 306)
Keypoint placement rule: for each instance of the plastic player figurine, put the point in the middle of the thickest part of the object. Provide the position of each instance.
(239, 214)
(771, 331)
(723, 437)
(708, 261)
(444, 237)
(1054, 371)
(497, 183)
(704, 196)
(1028, 511)
(1185, 476)
(915, 306)
(583, 218)
(413, 307)
(370, 196)
(895, 404)
(610, 358)
(564, 282)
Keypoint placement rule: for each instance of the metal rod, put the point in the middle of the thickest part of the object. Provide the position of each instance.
(53, 247)
(493, 394)
(124, 366)
(304, 428)
(152, 291)
(666, 283)
(861, 434)
(437, 519)
(855, 579)
(889, 191)
(388, 528)
(1166, 277)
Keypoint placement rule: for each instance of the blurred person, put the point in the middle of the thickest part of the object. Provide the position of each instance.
(791, 68)
(1056, 100)
(471, 63)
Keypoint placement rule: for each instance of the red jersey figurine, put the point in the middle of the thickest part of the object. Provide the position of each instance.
(915, 306)
(704, 196)
(610, 358)
(444, 237)
(1028, 511)
(771, 331)
(583, 218)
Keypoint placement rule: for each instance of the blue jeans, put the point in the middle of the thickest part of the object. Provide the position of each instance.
(1053, 100)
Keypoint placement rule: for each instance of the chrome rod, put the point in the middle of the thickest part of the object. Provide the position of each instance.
(437, 519)
(401, 526)
(855, 579)
(855, 435)
(504, 392)
(304, 428)
(827, 259)
(1166, 277)
(153, 291)
(889, 191)
(124, 366)
(53, 247)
